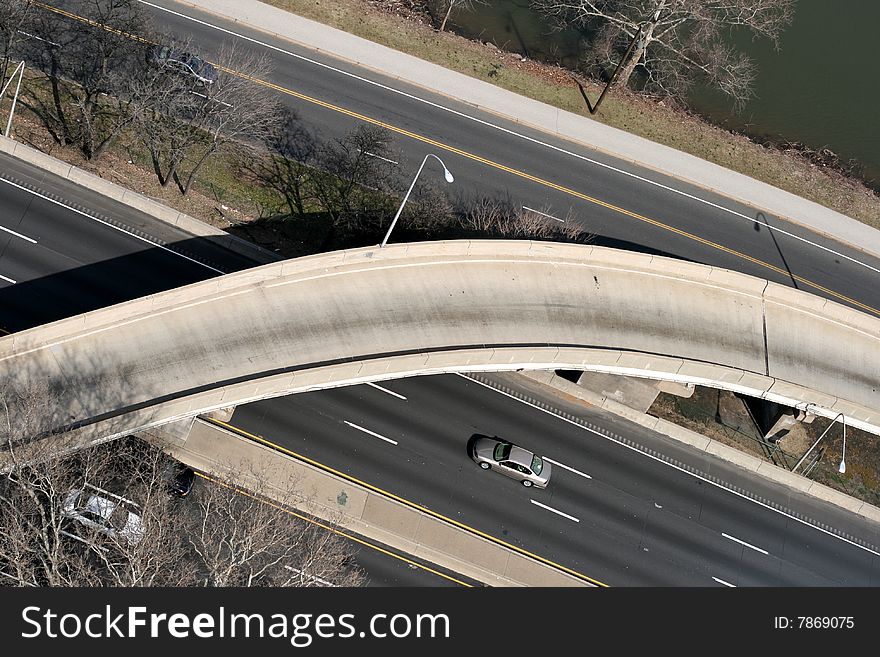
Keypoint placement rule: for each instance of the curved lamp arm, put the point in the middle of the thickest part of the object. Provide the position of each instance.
(446, 174)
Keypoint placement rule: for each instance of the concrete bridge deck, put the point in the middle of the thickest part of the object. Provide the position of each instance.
(408, 309)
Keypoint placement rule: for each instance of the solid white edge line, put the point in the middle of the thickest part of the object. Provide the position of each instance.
(521, 136)
(386, 390)
(372, 433)
(748, 545)
(562, 465)
(680, 469)
(5, 278)
(721, 581)
(543, 214)
(109, 225)
(12, 232)
(556, 511)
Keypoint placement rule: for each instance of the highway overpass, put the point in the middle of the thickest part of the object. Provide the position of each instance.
(372, 314)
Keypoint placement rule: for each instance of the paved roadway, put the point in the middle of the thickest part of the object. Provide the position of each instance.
(628, 519)
(64, 261)
(57, 260)
(77, 264)
(386, 566)
(724, 232)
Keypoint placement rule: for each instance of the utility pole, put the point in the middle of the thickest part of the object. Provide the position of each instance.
(19, 70)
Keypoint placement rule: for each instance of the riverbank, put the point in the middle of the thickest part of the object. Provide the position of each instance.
(396, 24)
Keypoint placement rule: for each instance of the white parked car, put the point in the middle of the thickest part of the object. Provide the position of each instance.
(105, 512)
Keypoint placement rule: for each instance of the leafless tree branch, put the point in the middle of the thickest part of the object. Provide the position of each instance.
(678, 42)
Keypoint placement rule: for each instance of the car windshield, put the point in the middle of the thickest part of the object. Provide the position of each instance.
(502, 451)
(537, 464)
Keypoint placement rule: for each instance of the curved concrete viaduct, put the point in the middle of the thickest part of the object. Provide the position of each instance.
(372, 314)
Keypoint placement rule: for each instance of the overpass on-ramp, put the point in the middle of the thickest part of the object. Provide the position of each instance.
(409, 309)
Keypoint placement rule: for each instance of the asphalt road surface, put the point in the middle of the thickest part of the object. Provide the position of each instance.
(65, 250)
(536, 165)
(385, 566)
(57, 260)
(611, 512)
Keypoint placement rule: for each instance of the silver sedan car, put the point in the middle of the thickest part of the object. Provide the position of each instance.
(512, 461)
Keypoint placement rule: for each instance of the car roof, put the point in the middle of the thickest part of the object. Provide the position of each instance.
(521, 456)
(100, 506)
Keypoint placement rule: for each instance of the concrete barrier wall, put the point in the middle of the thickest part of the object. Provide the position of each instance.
(372, 314)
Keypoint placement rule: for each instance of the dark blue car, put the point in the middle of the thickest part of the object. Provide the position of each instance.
(183, 62)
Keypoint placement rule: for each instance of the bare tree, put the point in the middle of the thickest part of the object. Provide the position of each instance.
(354, 179)
(14, 17)
(446, 7)
(89, 65)
(242, 538)
(39, 542)
(429, 210)
(287, 167)
(187, 122)
(221, 534)
(675, 42)
(492, 217)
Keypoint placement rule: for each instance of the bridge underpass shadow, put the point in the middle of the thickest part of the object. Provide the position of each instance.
(31, 303)
(28, 304)
(635, 247)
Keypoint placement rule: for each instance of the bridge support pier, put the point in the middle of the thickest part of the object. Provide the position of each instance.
(773, 420)
(635, 392)
(176, 433)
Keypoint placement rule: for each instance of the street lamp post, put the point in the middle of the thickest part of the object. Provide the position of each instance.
(446, 174)
(842, 467)
(19, 70)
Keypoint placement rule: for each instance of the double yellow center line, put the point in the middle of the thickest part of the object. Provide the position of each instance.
(501, 167)
(404, 501)
(333, 530)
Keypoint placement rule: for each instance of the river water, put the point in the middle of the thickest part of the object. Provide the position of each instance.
(822, 88)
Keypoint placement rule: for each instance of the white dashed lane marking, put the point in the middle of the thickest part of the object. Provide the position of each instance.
(556, 511)
(748, 545)
(372, 433)
(570, 469)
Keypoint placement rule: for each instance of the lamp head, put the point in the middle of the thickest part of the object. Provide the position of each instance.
(448, 175)
(842, 468)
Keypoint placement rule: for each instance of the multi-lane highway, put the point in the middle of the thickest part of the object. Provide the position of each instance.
(636, 520)
(613, 512)
(623, 205)
(69, 251)
(64, 250)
